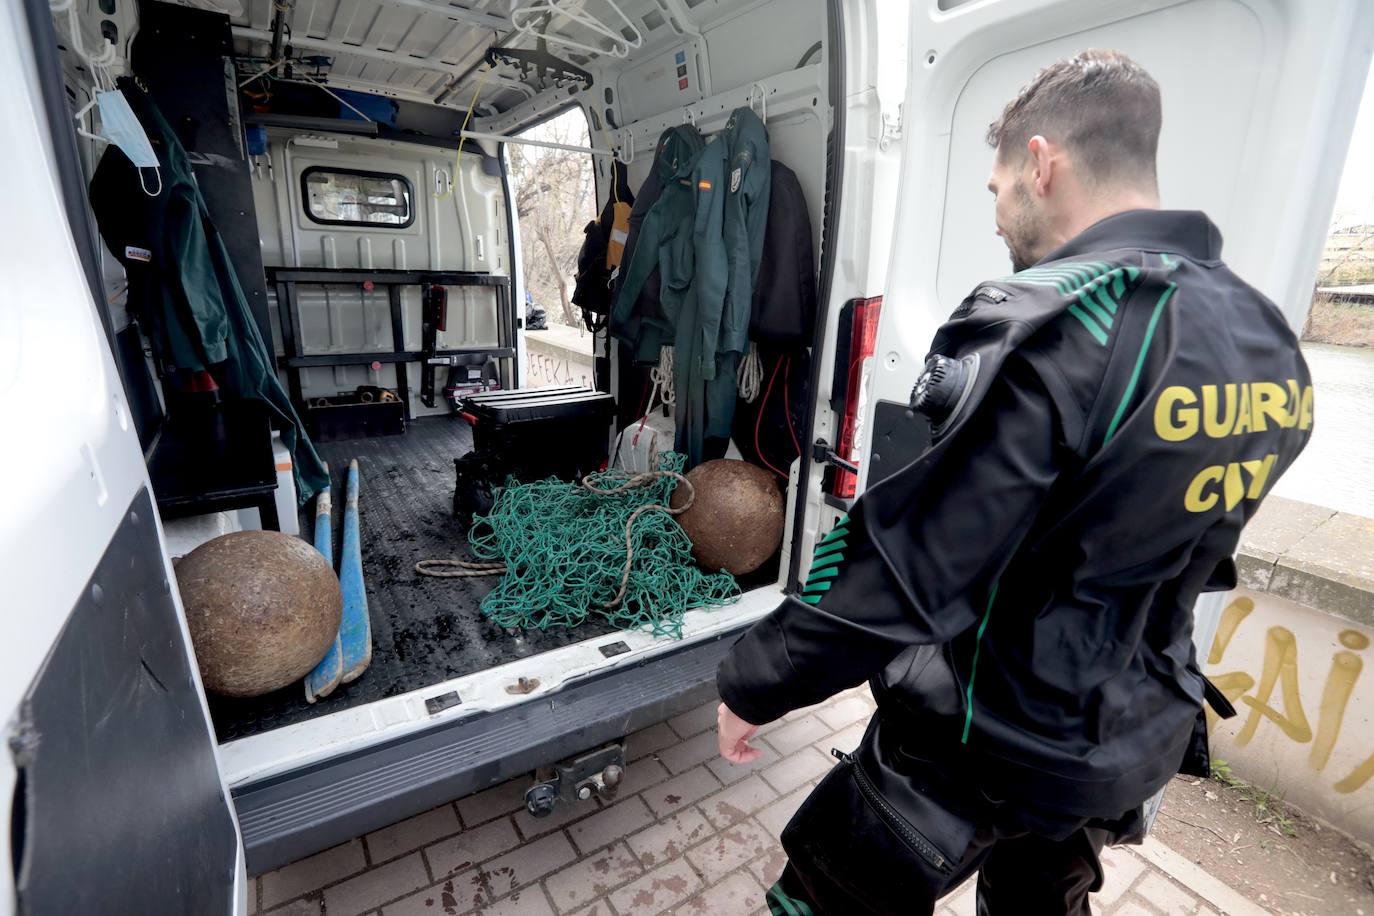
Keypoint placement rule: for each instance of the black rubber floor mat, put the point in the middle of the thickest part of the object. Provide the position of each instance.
(424, 630)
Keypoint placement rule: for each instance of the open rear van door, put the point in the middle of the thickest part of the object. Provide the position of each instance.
(1259, 97)
(109, 779)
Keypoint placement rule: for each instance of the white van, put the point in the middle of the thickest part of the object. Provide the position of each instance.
(127, 790)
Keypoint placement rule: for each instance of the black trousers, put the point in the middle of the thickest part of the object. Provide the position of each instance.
(1019, 875)
(887, 833)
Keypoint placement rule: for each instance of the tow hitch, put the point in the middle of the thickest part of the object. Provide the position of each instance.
(597, 772)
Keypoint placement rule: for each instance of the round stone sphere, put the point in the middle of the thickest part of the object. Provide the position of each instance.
(736, 519)
(263, 608)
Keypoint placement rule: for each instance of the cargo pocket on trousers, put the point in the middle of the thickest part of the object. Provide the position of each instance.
(848, 840)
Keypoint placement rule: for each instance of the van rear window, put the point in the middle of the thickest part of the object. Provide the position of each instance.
(353, 198)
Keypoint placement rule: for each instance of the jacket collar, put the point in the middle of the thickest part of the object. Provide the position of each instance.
(1186, 232)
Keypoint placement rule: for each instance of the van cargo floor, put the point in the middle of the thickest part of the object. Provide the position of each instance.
(424, 630)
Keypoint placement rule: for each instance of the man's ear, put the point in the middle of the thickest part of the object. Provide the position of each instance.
(1041, 164)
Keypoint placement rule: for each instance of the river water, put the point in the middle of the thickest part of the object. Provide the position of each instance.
(1336, 469)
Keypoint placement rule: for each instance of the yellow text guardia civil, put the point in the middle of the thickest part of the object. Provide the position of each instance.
(1231, 409)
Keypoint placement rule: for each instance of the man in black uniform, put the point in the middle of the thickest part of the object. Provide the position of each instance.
(1020, 597)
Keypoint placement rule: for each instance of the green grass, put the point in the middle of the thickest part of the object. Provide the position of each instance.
(1270, 809)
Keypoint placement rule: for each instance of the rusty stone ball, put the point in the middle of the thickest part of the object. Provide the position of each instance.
(263, 608)
(736, 520)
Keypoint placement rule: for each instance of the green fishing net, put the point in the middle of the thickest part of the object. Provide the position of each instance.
(564, 547)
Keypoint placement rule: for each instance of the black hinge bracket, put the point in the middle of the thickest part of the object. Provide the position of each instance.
(822, 452)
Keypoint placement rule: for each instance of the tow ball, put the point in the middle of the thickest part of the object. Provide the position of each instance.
(597, 772)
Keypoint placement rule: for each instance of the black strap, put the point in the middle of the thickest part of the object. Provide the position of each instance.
(1216, 699)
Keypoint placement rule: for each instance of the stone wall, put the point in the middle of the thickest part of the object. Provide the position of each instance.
(558, 356)
(1291, 651)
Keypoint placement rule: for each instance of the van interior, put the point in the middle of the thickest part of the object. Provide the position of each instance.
(354, 158)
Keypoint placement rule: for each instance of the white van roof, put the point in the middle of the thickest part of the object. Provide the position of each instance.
(431, 51)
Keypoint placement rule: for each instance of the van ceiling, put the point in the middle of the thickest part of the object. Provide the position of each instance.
(431, 51)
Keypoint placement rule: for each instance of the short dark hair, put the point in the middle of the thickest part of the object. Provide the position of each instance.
(1101, 105)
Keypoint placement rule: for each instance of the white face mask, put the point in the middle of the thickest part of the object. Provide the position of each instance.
(120, 126)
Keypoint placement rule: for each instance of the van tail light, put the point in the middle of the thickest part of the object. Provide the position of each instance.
(856, 356)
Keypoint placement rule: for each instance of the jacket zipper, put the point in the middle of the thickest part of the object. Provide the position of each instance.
(919, 844)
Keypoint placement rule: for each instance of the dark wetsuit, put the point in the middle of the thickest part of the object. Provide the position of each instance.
(1021, 595)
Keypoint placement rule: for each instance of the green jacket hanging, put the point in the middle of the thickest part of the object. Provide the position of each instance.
(732, 214)
(664, 241)
(183, 285)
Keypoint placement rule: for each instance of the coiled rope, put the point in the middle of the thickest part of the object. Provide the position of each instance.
(749, 378)
(640, 480)
(662, 377)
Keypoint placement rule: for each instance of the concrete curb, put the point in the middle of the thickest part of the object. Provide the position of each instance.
(1225, 898)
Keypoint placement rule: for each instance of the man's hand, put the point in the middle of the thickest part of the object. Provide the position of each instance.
(734, 735)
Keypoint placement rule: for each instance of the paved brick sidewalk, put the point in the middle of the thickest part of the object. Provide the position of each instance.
(689, 834)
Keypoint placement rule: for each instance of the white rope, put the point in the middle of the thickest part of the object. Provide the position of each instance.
(662, 377)
(750, 375)
(263, 72)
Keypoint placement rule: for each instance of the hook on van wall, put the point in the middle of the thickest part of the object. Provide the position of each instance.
(626, 153)
(80, 118)
(762, 111)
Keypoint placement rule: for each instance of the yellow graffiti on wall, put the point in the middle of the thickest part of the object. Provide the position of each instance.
(1280, 664)
(1345, 668)
(1280, 669)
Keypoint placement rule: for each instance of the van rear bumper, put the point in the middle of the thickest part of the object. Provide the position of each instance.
(295, 814)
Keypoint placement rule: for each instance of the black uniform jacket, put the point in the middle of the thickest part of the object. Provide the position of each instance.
(1022, 593)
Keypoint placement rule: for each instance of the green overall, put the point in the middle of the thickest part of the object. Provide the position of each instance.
(732, 181)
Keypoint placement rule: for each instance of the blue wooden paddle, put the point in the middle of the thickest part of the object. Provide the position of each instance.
(329, 672)
(355, 632)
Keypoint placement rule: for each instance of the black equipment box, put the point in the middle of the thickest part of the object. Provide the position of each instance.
(531, 434)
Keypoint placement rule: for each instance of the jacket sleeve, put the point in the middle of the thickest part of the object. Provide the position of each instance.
(197, 287)
(745, 222)
(863, 605)
(636, 267)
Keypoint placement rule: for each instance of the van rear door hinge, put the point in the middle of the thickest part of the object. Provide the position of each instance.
(822, 452)
(890, 127)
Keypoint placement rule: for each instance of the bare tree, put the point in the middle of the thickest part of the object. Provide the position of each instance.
(554, 200)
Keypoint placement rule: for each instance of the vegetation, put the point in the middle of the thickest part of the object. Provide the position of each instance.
(555, 197)
(1336, 321)
(1270, 809)
(1348, 260)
